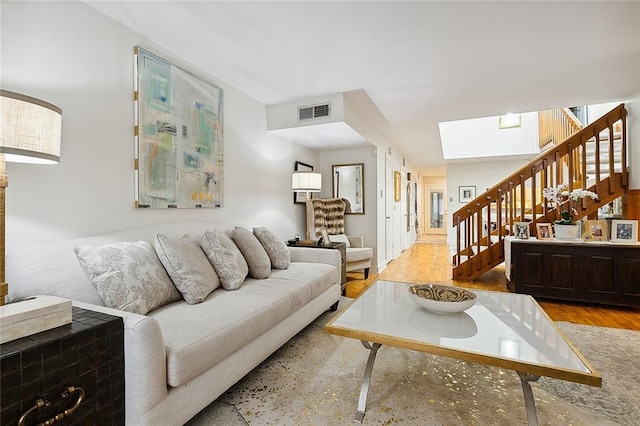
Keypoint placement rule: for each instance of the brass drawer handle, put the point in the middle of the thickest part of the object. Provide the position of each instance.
(58, 417)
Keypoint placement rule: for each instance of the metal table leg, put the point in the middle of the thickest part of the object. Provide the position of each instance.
(364, 389)
(529, 402)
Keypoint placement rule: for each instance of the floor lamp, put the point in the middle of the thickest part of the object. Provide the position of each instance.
(31, 133)
(307, 182)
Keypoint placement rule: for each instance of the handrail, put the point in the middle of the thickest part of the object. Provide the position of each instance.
(518, 198)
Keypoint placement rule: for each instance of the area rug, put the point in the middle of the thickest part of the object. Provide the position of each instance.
(315, 379)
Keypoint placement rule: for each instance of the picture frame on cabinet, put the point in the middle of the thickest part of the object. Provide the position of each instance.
(595, 230)
(521, 230)
(544, 231)
(624, 231)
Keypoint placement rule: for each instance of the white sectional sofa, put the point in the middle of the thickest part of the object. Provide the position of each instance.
(181, 357)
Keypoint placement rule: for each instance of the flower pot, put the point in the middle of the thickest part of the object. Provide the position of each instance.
(566, 232)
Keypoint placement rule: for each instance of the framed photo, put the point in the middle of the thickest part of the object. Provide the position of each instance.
(595, 230)
(466, 193)
(521, 230)
(325, 237)
(624, 231)
(544, 231)
(301, 197)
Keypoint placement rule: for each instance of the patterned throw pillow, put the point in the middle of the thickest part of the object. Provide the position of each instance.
(275, 247)
(226, 259)
(254, 254)
(128, 276)
(187, 266)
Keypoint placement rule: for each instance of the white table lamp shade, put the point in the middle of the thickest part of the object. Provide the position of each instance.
(306, 182)
(30, 132)
(31, 129)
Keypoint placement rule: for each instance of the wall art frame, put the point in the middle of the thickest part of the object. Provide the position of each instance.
(397, 183)
(301, 197)
(178, 128)
(466, 194)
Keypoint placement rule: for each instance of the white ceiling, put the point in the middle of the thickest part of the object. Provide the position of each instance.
(420, 62)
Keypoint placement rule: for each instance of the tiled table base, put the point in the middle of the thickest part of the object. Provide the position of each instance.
(86, 354)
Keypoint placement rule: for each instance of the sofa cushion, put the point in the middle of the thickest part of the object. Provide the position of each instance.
(198, 337)
(356, 254)
(340, 238)
(188, 267)
(226, 259)
(275, 247)
(253, 252)
(128, 276)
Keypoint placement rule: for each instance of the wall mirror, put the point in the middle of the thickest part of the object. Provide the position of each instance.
(348, 183)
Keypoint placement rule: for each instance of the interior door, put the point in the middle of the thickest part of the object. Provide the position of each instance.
(388, 199)
(436, 210)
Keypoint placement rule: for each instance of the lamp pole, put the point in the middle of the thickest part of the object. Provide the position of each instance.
(4, 182)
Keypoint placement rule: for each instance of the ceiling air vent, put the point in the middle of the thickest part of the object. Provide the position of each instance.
(314, 111)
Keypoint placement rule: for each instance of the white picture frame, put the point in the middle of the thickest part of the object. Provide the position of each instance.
(466, 193)
(624, 231)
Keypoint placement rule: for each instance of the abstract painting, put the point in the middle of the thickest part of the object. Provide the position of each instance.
(178, 133)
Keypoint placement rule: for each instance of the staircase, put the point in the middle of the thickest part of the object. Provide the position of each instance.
(593, 158)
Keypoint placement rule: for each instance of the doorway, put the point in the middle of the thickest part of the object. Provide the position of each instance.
(435, 210)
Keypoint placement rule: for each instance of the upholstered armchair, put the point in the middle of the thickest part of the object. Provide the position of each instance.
(328, 213)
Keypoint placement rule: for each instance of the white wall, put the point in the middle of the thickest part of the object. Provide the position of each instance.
(82, 61)
(482, 137)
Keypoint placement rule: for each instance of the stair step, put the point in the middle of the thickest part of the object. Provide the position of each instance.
(604, 136)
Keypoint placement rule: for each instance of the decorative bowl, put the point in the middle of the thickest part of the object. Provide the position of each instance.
(442, 299)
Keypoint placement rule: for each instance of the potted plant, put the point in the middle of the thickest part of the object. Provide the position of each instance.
(565, 227)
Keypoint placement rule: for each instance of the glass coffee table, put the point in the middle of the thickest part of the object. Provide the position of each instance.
(505, 330)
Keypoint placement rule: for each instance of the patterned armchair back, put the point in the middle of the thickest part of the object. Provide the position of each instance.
(327, 213)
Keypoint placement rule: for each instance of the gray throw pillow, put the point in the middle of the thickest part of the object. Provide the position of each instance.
(226, 259)
(275, 247)
(254, 254)
(128, 276)
(187, 266)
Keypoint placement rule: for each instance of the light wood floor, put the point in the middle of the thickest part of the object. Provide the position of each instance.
(428, 260)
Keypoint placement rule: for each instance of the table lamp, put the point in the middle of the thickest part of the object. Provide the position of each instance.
(31, 133)
(307, 182)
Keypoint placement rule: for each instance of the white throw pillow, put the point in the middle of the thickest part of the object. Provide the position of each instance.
(275, 247)
(340, 238)
(128, 276)
(188, 267)
(226, 259)
(253, 252)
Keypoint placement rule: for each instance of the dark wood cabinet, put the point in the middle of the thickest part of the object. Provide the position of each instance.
(603, 273)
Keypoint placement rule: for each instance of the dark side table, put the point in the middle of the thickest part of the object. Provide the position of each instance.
(341, 247)
(77, 368)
